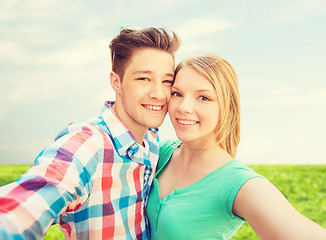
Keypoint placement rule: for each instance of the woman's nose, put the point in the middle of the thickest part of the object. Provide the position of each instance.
(185, 106)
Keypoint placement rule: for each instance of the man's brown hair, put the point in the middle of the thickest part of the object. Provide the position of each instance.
(129, 40)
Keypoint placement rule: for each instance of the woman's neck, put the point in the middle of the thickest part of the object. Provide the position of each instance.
(192, 151)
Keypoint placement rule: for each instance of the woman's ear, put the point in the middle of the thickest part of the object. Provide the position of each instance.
(115, 82)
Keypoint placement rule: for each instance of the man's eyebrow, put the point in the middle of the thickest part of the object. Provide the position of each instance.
(142, 72)
(150, 72)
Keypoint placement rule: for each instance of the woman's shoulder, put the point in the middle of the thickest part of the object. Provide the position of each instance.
(234, 174)
(238, 169)
(167, 148)
(169, 145)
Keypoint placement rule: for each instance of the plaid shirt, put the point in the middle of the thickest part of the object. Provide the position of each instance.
(94, 180)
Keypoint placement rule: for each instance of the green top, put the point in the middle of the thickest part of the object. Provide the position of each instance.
(202, 210)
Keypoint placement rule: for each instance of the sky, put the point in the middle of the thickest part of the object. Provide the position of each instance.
(55, 65)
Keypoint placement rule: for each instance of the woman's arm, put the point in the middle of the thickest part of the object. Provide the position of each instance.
(271, 216)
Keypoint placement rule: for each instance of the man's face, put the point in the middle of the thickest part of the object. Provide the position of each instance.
(141, 100)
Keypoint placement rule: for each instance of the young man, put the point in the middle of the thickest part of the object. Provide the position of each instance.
(94, 180)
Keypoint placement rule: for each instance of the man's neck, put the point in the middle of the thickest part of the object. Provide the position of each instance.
(137, 131)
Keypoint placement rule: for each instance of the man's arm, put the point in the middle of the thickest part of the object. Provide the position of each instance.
(59, 181)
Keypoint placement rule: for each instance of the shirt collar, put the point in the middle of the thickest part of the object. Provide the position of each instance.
(123, 139)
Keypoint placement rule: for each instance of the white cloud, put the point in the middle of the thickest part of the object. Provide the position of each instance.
(35, 9)
(79, 54)
(61, 83)
(36, 73)
(252, 82)
(284, 98)
(196, 34)
(313, 6)
(188, 47)
(269, 92)
(91, 23)
(10, 50)
(82, 67)
(199, 27)
(295, 11)
(76, 55)
(285, 90)
(72, 76)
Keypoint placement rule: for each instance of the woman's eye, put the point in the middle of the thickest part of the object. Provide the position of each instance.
(176, 94)
(203, 98)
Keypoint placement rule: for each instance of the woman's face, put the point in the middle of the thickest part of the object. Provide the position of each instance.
(193, 107)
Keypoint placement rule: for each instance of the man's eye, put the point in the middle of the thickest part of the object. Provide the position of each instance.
(143, 79)
(170, 82)
(176, 94)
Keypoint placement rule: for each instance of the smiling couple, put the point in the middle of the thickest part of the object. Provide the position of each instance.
(108, 178)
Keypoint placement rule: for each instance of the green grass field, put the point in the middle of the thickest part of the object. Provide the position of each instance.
(303, 185)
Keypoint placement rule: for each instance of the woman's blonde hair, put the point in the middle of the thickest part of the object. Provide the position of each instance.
(222, 76)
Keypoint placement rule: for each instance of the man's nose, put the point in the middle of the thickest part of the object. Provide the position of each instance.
(158, 91)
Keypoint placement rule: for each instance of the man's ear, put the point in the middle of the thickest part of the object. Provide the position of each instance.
(115, 82)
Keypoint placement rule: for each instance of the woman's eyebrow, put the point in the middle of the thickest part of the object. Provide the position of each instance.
(197, 90)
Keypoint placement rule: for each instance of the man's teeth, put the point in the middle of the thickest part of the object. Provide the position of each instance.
(187, 122)
(153, 107)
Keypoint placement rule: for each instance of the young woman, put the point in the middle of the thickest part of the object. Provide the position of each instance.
(199, 190)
